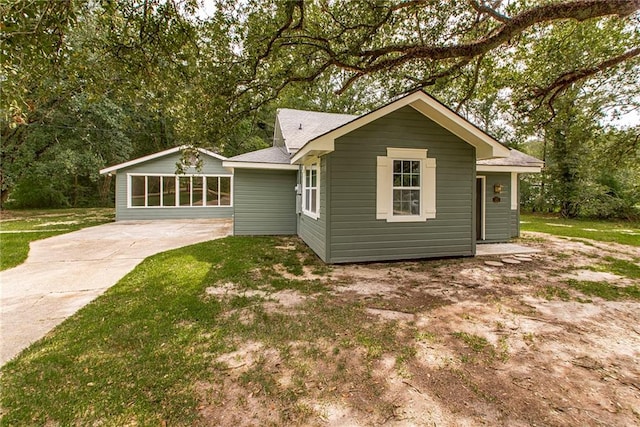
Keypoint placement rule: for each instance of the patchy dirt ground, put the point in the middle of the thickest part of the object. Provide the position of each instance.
(443, 342)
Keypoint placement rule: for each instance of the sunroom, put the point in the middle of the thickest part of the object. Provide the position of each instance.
(164, 186)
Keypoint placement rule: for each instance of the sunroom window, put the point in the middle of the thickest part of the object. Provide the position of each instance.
(170, 191)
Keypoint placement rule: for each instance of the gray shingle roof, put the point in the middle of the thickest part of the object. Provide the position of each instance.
(267, 155)
(299, 127)
(516, 158)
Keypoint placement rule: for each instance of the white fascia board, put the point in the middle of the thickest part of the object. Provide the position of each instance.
(157, 155)
(518, 169)
(140, 160)
(315, 148)
(210, 153)
(326, 142)
(257, 165)
(486, 146)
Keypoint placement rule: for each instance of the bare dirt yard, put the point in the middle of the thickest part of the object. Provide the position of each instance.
(445, 342)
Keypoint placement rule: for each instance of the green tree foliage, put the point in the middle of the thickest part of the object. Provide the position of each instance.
(61, 156)
(411, 44)
(573, 122)
(549, 74)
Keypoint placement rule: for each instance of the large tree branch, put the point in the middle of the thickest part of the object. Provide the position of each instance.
(354, 45)
(567, 79)
(362, 62)
(578, 10)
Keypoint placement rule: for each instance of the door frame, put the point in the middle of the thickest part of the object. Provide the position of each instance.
(483, 204)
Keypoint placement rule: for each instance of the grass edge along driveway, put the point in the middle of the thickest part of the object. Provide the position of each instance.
(19, 228)
(136, 352)
(144, 351)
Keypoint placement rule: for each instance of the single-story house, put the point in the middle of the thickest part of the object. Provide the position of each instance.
(411, 179)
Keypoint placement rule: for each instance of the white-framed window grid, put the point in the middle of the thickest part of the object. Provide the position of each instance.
(406, 187)
(311, 189)
(154, 190)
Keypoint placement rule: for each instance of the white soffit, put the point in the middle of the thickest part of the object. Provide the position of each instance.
(257, 165)
(506, 168)
(486, 146)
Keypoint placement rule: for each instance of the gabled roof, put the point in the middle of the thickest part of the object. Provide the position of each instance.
(267, 158)
(299, 127)
(516, 162)
(155, 156)
(486, 146)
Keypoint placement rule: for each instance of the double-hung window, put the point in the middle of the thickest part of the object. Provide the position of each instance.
(405, 185)
(311, 189)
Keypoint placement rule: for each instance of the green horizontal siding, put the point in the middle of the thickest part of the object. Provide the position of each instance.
(167, 165)
(355, 233)
(265, 202)
(498, 225)
(314, 231)
(515, 223)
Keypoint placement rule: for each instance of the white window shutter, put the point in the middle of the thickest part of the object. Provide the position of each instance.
(429, 187)
(383, 187)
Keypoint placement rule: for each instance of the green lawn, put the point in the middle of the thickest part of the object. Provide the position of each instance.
(135, 355)
(19, 228)
(624, 232)
(146, 352)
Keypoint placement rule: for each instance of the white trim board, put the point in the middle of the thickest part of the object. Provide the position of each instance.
(157, 155)
(513, 169)
(514, 191)
(486, 146)
(257, 165)
(483, 203)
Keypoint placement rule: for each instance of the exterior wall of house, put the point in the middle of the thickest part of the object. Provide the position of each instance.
(314, 231)
(515, 223)
(354, 233)
(265, 202)
(167, 165)
(499, 221)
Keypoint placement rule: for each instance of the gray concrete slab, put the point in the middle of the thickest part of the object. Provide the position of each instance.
(489, 249)
(64, 273)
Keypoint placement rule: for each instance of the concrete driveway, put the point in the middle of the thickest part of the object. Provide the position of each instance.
(64, 273)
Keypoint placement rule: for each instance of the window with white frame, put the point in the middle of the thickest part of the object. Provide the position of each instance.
(170, 191)
(405, 185)
(311, 189)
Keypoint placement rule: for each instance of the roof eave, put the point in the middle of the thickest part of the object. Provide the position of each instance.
(507, 168)
(486, 146)
(258, 165)
(156, 156)
(318, 147)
